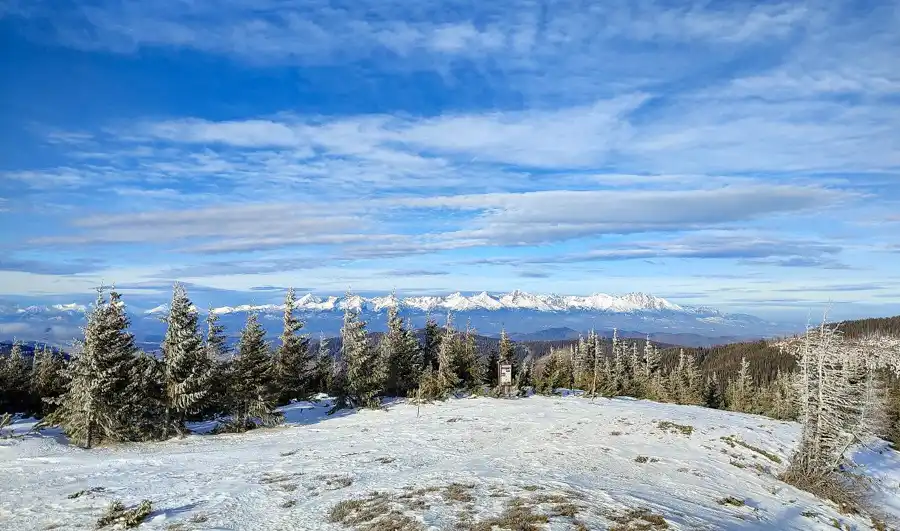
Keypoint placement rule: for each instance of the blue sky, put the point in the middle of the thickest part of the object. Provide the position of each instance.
(731, 154)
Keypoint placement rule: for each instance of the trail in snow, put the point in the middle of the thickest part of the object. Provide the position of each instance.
(290, 477)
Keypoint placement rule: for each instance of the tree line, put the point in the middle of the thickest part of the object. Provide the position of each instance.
(111, 391)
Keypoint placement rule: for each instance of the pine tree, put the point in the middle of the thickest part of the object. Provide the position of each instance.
(145, 414)
(432, 344)
(468, 367)
(692, 383)
(48, 379)
(446, 375)
(252, 379)
(97, 399)
(507, 350)
(324, 367)
(712, 396)
(15, 379)
(402, 359)
(583, 365)
(366, 372)
(550, 374)
(187, 375)
(525, 377)
(739, 395)
(219, 361)
(293, 360)
(491, 369)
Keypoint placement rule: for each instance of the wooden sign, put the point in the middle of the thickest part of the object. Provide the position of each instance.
(506, 374)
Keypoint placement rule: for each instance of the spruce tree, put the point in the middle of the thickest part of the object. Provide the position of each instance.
(365, 367)
(48, 379)
(252, 379)
(215, 346)
(712, 396)
(145, 413)
(432, 344)
(492, 368)
(187, 374)
(293, 360)
(94, 407)
(468, 367)
(550, 374)
(401, 357)
(739, 394)
(507, 350)
(324, 368)
(446, 376)
(16, 380)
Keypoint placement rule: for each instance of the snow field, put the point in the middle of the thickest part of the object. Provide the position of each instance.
(566, 461)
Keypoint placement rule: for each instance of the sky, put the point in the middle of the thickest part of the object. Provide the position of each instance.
(733, 154)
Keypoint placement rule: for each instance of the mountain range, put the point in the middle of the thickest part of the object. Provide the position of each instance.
(520, 313)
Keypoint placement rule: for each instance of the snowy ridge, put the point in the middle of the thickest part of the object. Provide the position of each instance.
(586, 453)
(454, 302)
(457, 302)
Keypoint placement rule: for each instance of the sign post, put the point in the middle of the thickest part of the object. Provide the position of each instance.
(505, 377)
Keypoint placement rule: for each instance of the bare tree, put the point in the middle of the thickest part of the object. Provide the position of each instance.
(839, 403)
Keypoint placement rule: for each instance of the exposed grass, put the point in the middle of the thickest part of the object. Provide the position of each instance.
(117, 514)
(737, 463)
(84, 492)
(732, 441)
(676, 428)
(846, 490)
(637, 520)
(731, 500)
(275, 478)
(518, 516)
(459, 492)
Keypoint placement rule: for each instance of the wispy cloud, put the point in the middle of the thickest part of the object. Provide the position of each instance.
(676, 142)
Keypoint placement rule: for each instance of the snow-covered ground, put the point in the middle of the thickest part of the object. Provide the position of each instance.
(567, 458)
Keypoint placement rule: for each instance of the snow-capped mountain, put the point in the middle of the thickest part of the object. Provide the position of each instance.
(457, 302)
(516, 311)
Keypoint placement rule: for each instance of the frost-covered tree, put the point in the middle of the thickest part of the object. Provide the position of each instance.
(293, 359)
(549, 373)
(92, 409)
(365, 367)
(778, 398)
(187, 375)
(686, 382)
(525, 376)
(144, 415)
(583, 365)
(252, 390)
(48, 379)
(739, 394)
(838, 401)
